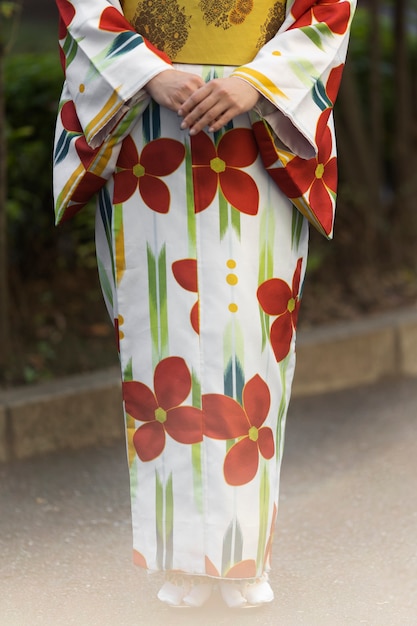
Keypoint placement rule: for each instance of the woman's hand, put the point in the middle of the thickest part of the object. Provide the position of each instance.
(215, 103)
(171, 88)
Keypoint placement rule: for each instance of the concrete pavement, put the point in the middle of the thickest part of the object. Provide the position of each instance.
(346, 545)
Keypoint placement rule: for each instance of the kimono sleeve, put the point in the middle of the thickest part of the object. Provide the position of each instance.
(106, 64)
(299, 70)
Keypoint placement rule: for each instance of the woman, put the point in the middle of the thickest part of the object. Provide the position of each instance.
(201, 254)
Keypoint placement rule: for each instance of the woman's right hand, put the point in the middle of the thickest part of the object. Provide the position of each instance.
(171, 88)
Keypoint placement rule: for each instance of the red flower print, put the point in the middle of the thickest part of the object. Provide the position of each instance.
(91, 182)
(185, 272)
(66, 15)
(71, 124)
(318, 176)
(242, 569)
(224, 418)
(333, 82)
(277, 298)
(113, 21)
(334, 13)
(139, 559)
(159, 157)
(214, 166)
(332, 89)
(161, 410)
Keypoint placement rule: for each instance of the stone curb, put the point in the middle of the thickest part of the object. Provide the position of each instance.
(84, 410)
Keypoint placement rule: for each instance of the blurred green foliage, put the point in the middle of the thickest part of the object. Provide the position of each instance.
(361, 60)
(33, 84)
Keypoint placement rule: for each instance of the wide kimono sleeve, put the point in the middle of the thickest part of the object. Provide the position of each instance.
(299, 70)
(298, 73)
(106, 66)
(106, 63)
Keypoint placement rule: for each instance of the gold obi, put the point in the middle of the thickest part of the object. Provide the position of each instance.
(214, 32)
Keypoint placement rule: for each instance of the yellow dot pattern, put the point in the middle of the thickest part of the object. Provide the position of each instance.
(232, 280)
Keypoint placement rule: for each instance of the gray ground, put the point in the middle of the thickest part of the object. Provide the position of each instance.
(346, 543)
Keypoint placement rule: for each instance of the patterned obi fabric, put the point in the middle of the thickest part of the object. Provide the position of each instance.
(214, 32)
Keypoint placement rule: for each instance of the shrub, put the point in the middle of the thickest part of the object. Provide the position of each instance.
(33, 85)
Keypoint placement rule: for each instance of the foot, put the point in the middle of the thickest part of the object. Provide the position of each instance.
(199, 593)
(239, 594)
(172, 593)
(231, 592)
(185, 591)
(259, 591)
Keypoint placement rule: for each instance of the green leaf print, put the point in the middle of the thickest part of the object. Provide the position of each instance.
(196, 450)
(163, 301)
(159, 516)
(283, 405)
(227, 549)
(235, 220)
(305, 72)
(266, 262)
(151, 122)
(313, 35)
(324, 29)
(196, 459)
(63, 145)
(320, 96)
(233, 359)
(296, 228)
(158, 307)
(232, 546)
(70, 49)
(105, 283)
(238, 548)
(128, 371)
(191, 217)
(124, 42)
(153, 300)
(106, 213)
(223, 214)
(169, 524)
(263, 516)
(234, 380)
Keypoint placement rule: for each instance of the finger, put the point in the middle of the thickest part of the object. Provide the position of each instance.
(198, 120)
(212, 121)
(208, 110)
(221, 121)
(193, 100)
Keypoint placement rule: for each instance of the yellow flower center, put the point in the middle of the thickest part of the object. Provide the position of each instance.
(160, 415)
(253, 433)
(217, 165)
(319, 170)
(291, 305)
(139, 170)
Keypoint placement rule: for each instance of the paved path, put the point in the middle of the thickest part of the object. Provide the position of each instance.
(346, 547)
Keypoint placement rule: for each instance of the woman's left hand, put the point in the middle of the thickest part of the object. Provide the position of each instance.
(216, 103)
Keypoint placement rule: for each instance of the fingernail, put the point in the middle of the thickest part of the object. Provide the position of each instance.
(179, 112)
(183, 125)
